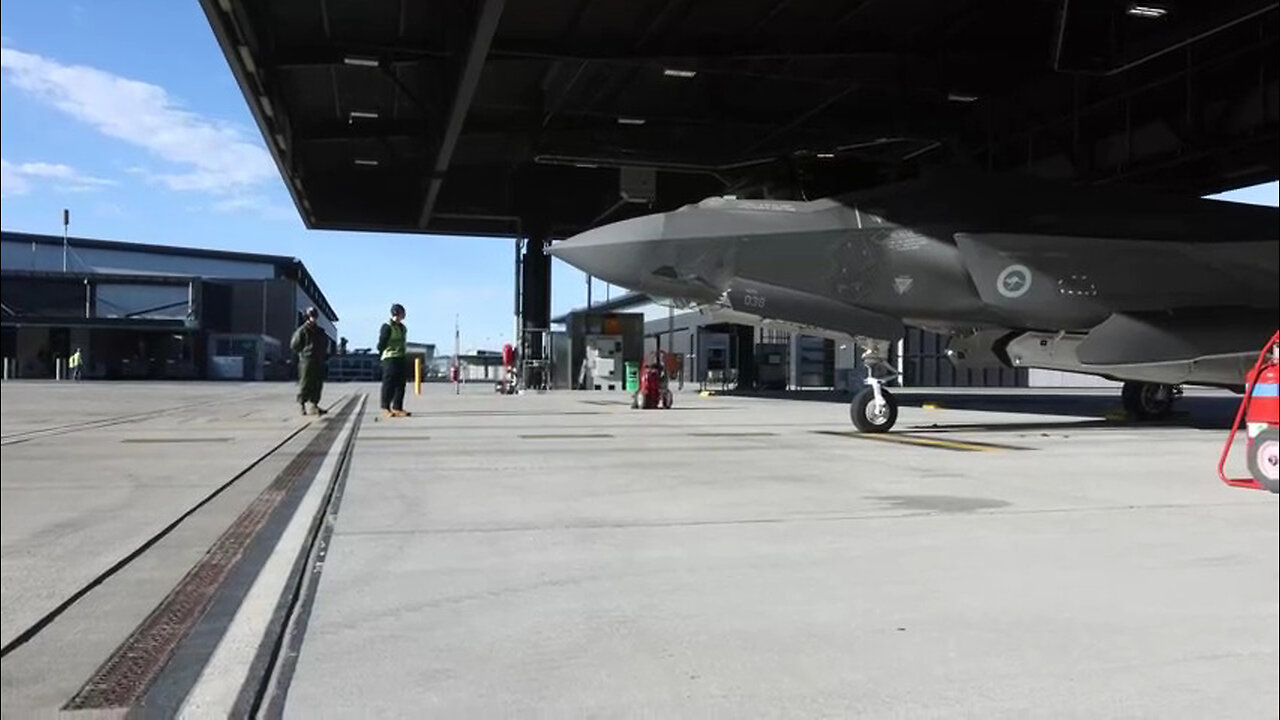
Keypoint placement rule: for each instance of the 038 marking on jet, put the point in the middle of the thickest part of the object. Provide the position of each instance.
(1014, 281)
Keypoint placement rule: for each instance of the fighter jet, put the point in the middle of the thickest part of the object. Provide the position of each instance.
(1156, 291)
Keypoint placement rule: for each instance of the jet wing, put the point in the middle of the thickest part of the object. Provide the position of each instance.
(1081, 281)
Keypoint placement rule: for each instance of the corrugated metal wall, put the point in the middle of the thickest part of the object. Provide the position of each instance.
(824, 363)
(925, 364)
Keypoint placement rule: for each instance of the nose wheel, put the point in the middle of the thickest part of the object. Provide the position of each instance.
(874, 409)
(871, 414)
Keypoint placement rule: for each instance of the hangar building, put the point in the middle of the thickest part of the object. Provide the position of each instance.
(141, 311)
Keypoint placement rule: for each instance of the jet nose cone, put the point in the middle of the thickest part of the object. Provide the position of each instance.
(618, 253)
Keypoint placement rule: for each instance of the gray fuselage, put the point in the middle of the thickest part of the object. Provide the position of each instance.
(966, 256)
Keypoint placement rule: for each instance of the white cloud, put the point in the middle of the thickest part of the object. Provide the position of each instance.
(250, 203)
(207, 155)
(58, 171)
(11, 181)
(18, 177)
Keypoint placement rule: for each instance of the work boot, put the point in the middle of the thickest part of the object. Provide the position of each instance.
(304, 408)
(401, 413)
(387, 413)
(319, 410)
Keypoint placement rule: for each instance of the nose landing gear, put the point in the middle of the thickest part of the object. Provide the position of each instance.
(874, 409)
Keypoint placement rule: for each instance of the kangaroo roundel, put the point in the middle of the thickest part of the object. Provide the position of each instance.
(1014, 281)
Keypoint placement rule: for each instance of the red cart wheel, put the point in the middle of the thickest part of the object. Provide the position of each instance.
(1264, 459)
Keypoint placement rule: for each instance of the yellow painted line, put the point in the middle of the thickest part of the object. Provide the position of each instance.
(926, 442)
(931, 406)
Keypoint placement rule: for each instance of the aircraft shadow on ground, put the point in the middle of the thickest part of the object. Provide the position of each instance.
(1200, 412)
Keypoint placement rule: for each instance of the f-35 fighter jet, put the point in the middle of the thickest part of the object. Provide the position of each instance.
(1155, 291)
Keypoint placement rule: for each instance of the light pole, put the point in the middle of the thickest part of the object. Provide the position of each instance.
(66, 221)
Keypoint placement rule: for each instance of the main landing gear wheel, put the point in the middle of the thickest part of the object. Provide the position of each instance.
(1149, 401)
(870, 416)
(1264, 459)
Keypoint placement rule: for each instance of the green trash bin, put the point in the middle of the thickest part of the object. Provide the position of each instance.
(632, 382)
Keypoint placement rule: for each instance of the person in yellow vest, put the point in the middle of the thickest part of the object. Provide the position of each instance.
(76, 362)
(391, 344)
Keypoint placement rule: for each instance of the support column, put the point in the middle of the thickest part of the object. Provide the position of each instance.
(793, 361)
(744, 337)
(535, 304)
(517, 326)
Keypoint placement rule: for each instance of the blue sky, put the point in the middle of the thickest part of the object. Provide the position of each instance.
(126, 113)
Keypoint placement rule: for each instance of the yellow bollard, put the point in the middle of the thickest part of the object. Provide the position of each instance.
(417, 376)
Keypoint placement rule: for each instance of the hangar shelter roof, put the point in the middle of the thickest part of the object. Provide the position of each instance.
(461, 116)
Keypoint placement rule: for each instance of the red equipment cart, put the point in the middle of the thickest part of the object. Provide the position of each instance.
(654, 390)
(1260, 410)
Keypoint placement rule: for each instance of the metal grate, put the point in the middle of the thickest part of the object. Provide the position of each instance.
(128, 672)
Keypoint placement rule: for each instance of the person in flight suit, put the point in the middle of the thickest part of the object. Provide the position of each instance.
(391, 344)
(312, 346)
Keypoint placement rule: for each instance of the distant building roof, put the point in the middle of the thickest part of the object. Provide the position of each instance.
(626, 301)
(288, 267)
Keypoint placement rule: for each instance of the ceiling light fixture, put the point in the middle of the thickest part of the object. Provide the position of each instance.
(366, 162)
(675, 72)
(961, 97)
(246, 57)
(630, 121)
(931, 146)
(360, 61)
(362, 115)
(1147, 10)
(826, 155)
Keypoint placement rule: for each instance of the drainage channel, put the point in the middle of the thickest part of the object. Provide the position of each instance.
(48, 618)
(268, 698)
(153, 670)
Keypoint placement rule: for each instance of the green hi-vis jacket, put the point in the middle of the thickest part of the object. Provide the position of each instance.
(391, 340)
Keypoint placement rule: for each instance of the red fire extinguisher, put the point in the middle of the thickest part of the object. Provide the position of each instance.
(1260, 410)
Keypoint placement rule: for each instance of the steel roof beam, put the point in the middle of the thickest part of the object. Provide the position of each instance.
(393, 54)
(486, 26)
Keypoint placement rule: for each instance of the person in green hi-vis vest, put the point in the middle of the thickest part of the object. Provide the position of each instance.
(312, 345)
(391, 344)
